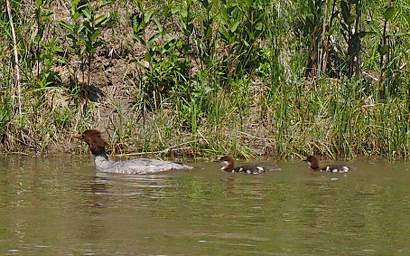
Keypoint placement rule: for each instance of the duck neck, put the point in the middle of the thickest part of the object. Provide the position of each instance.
(102, 162)
(314, 166)
(229, 167)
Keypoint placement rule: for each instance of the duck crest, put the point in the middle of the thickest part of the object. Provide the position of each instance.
(229, 163)
(313, 162)
(95, 142)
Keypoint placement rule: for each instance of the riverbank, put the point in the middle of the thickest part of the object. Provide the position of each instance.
(199, 82)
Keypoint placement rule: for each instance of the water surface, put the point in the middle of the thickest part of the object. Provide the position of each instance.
(61, 206)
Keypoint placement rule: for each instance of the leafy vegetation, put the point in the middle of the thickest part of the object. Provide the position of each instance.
(199, 77)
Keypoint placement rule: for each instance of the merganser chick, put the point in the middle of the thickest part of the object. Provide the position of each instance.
(314, 164)
(229, 166)
(136, 166)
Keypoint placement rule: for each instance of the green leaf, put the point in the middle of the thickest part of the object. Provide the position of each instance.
(102, 20)
(105, 3)
(67, 25)
(147, 16)
(148, 56)
(389, 13)
(235, 25)
(87, 13)
(73, 7)
(259, 26)
(184, 12)
(82, 28)
(152, 39)
(38, 3)
(159, 26)
(75, 16)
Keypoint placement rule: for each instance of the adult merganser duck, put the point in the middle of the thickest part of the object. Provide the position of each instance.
(136, 166)
(229, 166)
(314, 164)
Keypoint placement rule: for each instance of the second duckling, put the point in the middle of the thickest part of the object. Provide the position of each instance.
(229, 166)
(314, 165)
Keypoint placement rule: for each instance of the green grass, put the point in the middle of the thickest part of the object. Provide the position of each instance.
(202, 78)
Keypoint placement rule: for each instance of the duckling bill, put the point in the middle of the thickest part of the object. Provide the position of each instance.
(229, 166)
(314, 165)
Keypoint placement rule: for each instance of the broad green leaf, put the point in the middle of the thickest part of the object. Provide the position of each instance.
(389, 13)
(147, 16)
(73, 7)
(235, 25)
(259, 26)
(39, 3)
(75, 16)
(184, 12)
(87, 13)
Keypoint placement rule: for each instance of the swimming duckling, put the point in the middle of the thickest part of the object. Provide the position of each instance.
(229, 166)
(314, 164)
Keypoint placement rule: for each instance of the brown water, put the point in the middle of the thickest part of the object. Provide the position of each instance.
(60, 206)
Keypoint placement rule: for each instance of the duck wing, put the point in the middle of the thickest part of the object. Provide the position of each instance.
(255, 169)
(145, 166)
(336, 169)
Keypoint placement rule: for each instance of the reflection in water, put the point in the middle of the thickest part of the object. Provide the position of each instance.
(47, 208)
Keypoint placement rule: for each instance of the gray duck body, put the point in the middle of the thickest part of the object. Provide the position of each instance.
(136, 166)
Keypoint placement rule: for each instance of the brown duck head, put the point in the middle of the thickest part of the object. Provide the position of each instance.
(95, 141)
(228, 163)
(313, 162)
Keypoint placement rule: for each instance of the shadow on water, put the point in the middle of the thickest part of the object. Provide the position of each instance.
(60, 206)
